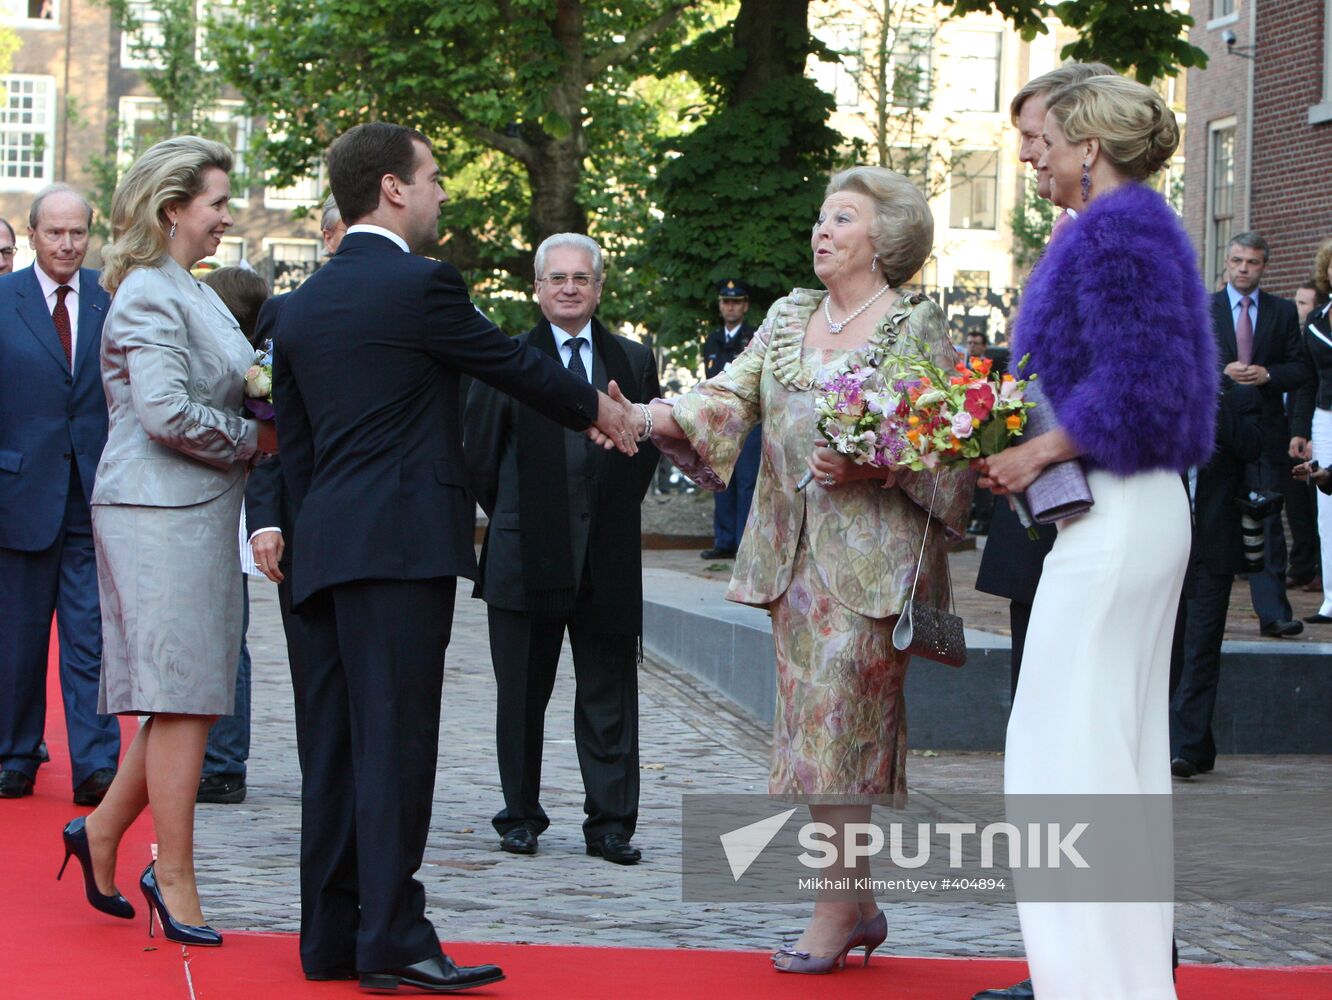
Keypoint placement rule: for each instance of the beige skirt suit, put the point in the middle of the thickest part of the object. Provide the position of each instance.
(168, 496)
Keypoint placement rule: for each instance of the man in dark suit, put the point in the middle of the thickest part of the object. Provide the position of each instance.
(1258, 336)
(268, 511)
(368, 358)
(725, 343)
(1305, 570)
(1217, 555)
(563, 553)
(52, 430)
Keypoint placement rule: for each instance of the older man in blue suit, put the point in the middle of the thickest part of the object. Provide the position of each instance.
(52, 429)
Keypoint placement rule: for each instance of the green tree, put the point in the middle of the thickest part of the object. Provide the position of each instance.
(738, 193)
(1032, 221)
(1149, 37)
(538, 110)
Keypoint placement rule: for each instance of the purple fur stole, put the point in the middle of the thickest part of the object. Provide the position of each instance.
(1116, 320)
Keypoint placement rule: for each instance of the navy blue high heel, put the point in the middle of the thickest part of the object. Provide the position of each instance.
(172, 929)
(76, 846)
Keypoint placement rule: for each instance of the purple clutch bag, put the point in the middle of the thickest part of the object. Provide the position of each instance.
(1060, 491)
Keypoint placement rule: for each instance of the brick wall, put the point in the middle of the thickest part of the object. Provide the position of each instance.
(1292, 168)
(1218, 92)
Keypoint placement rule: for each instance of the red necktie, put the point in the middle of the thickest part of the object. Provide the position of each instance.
(1244, 333)
(60, 315)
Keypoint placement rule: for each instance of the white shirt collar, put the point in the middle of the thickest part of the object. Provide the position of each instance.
(49, 284)
(562, 338)
(731, 331)
(388, 234)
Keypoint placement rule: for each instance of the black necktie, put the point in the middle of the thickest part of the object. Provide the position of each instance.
(576, 358)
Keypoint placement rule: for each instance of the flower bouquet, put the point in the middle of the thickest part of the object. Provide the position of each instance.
(259, 385)
(925, 416)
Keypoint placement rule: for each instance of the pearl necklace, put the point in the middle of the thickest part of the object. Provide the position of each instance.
(836, 328)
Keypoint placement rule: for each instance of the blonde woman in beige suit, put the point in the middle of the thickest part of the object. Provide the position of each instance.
(165, 508)
(833, 563)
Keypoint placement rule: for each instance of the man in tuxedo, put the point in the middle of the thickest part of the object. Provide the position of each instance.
(725, 343)
(268, 511)
(1305, 570)
(1216, 556)
(1258, 336)
(52, 430)
(8, 247)
(563, 553)
(1012, 561)
(368, 359)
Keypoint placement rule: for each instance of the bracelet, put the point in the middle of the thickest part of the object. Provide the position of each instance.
(647, 421)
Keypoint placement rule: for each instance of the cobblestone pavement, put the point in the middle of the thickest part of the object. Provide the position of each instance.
(691, 741)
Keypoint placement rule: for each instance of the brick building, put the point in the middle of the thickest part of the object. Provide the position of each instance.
(1260, 121)
(75, 96)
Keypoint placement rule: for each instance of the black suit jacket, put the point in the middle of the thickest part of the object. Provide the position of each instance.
(1317, 389)
(1276, 346)
(717, 353)
(594, 478)
(266, 503)
(368, 355)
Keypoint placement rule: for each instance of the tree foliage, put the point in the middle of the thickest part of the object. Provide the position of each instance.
(1149, 37)
(534, 107)
(738, 194)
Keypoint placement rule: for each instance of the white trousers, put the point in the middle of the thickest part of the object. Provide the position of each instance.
(1322, 453)
(1091, 716)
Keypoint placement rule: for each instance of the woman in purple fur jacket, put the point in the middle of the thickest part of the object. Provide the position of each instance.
(1116, 323)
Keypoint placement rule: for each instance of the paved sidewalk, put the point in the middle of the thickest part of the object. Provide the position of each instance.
(691, 741)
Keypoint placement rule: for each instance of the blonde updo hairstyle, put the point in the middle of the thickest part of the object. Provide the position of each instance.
(166, 173)
(1136, 128)
(902, 231)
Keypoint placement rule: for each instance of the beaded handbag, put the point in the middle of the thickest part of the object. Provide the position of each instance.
(923, 630)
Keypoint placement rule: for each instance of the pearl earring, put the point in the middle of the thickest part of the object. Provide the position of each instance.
(172, 234)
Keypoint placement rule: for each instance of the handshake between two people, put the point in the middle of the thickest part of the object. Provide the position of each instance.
(620, 422)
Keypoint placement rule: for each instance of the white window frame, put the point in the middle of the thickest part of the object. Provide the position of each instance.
(1322, 111)
(128, 60)
(952, 190)
(904, 53)
(15, 14)
(232, 241)
(1211, 251)
(270, 242)
(291, 197)
(961, 65)
(223, 113)
(203, 8)
(48, 131)
(840, 79)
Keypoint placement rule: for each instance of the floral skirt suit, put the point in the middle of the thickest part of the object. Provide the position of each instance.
(833, 567)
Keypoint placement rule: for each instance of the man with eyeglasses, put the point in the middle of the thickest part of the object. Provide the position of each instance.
(8, 247)
(52, 429)
(563, 553)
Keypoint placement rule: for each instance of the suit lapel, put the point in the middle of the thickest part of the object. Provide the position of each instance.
(92, 311)
(1223, 319)
(1262, 333)
(32, 310)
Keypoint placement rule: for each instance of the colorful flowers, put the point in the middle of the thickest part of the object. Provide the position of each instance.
(924, 416)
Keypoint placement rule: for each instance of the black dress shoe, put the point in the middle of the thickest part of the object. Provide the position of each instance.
(717, 554)
(93, 788)
(335, 974)
(1182, 768)
(1018, 991)
(519, 840)
(1282, 629)
(14, 785)
(221, 789)
(435, 975)
(1318, 619)
(616, 849)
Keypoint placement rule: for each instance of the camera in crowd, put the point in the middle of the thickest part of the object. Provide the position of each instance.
(1256, 507)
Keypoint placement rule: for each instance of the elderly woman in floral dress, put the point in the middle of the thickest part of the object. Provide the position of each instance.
(834, 563)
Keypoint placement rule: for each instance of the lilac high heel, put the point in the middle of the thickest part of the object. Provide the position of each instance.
(869, 935)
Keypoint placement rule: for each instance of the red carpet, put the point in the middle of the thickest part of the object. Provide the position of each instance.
(54, 947)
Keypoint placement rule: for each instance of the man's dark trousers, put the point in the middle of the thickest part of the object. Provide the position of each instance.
(374, 667)
(731, 506)
(526, 653)
(60, 579)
